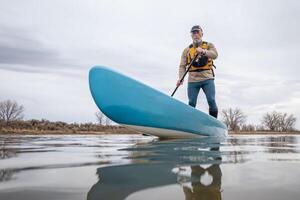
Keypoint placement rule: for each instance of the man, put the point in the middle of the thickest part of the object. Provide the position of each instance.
(201, 74)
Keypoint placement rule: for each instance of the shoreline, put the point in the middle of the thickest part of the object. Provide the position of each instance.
(117, 130)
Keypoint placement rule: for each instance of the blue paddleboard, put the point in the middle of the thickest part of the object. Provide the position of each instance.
(146, 110)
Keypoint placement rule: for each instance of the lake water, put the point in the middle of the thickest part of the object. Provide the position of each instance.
(136, 167)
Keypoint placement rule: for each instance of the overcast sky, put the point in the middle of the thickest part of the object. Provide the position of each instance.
(48, 47)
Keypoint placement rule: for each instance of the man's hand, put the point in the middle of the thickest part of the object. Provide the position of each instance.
(179, 83)
(200, 51)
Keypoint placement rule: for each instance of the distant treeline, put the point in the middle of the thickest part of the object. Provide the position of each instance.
(274, 121)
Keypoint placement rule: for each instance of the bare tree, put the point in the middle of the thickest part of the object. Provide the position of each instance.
(286, 122)
(233, 118)
(272, 121)
(100, 117)
(276, 121)
(10, 111)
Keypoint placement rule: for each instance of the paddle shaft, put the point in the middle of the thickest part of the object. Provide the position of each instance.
(188, 69)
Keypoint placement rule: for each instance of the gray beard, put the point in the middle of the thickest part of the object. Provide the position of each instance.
(197, 42)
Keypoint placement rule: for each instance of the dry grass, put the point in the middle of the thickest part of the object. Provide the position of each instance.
(109, 130)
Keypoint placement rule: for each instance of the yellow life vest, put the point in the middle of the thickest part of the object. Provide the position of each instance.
(202, 63)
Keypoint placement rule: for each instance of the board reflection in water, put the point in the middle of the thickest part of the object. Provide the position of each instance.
(178, 169)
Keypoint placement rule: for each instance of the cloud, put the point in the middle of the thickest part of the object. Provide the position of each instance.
(23, 51)
(18, 47)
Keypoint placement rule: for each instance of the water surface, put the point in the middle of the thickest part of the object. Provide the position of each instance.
(142, 167)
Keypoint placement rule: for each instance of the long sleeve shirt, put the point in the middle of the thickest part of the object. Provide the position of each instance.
(211, 52)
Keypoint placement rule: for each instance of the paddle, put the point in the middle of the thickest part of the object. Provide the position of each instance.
(189, 66)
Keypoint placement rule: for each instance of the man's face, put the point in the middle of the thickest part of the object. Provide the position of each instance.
(196, 35)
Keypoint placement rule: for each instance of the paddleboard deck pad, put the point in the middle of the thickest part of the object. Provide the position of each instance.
(137, 106)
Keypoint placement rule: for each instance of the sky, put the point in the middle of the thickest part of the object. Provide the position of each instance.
(47, 48)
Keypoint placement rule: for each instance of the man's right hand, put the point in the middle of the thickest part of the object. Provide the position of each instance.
(179, 83)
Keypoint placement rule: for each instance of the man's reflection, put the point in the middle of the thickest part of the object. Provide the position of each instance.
(119, 182)
(205, 183)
